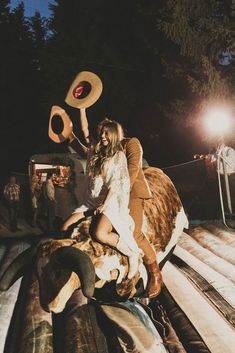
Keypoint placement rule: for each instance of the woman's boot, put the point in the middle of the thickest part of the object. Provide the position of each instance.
(154, 280)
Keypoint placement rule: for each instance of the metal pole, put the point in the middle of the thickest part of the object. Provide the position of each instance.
(219, 158)
(227, 187)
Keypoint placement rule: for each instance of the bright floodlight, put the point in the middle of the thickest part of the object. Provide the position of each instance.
(218, 121)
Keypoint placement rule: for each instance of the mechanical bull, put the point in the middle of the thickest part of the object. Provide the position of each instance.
(63, 266)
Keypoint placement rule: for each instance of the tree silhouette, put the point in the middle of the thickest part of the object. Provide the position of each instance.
(202, 32)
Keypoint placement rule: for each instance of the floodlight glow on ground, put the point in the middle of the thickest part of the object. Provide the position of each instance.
(218, 121)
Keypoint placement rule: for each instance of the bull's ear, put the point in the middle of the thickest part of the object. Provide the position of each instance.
(80, 263)
(17, 268)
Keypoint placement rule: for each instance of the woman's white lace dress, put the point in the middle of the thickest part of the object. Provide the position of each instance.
(116, 177)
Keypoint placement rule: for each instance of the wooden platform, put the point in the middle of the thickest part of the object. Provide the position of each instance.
(201, 278)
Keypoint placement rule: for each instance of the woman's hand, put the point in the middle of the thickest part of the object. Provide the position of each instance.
(100, 209)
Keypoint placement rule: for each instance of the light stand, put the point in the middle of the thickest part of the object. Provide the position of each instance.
(221, 161)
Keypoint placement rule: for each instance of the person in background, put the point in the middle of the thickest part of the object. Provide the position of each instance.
(35, 193)
(12, 195)
(49, 201)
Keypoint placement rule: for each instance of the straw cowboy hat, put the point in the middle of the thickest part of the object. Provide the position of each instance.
(84, 91)
(60, 125)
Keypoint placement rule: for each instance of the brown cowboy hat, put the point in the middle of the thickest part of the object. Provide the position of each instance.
(84, 91)
(60, 125)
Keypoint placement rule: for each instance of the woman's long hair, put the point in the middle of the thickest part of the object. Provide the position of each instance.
(103, 153)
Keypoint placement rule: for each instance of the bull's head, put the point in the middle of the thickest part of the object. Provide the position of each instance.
(62, 266)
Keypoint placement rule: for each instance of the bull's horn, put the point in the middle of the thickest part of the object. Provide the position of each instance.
(17, 268)
(80, 263)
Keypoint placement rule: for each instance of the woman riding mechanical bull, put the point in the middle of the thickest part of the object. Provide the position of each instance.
(115, 182)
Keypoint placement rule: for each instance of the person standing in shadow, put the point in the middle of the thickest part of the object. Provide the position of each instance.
(35, 197)
(12, 195)
(49, 202)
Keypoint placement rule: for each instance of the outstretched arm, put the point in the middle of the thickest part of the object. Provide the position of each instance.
(75, 143)
(84, 125)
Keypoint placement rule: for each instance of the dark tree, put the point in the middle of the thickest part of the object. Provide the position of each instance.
(203, 34)
(18, 87)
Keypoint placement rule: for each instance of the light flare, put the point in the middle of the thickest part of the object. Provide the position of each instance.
(218, 120)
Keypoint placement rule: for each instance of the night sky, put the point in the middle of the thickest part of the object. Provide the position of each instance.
(34, 5)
